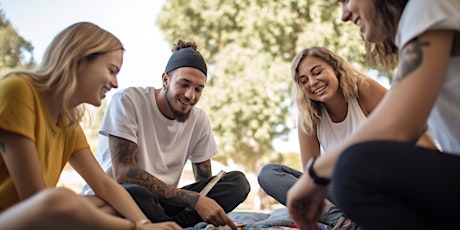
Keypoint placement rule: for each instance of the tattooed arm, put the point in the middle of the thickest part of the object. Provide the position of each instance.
(400, 116)
(125, 159)
(202, 170)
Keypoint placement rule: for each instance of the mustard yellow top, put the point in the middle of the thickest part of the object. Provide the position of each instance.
(23, 110)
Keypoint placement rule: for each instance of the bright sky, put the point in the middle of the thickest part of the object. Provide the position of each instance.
(133, 22)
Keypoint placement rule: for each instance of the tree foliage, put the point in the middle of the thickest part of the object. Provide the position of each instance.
(249, 45)
(15, 51)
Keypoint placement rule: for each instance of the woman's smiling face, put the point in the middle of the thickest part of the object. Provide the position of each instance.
(97, 76)
(318, 79)
(363, 14)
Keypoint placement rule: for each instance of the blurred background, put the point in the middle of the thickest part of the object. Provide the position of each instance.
(248, 46)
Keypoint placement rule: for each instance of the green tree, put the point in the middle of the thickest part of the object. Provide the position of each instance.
(15, 51)
(249, 45)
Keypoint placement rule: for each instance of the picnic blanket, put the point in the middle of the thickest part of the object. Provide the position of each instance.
(276, 219)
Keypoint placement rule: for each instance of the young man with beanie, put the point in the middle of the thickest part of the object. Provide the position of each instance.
(147, 136)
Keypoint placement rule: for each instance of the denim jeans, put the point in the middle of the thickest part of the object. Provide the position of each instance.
(229, 192)
(277, 179)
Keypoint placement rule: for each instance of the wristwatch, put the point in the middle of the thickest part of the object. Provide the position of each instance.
(318, 180)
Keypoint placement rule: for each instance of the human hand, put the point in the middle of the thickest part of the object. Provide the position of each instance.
(211, 212)
(305, 201)
(170, 225)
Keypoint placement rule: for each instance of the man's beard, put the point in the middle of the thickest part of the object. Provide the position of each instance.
(178, 115)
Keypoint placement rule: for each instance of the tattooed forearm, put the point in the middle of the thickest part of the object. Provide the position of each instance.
(2, 148)
(410, 58)
(125, 158)
(123, 151)
(166, 194)
(202, 170)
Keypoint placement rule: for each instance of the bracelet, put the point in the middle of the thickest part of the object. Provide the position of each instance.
(133, 225)
(318, 180)
(144, 221)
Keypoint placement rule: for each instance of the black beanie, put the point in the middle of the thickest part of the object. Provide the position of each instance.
(186, 57)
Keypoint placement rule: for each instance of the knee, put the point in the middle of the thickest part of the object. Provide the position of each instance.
(59, 203)
(265, 177)
(240, 180)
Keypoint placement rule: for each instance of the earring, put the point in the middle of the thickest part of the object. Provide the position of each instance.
(164, 87)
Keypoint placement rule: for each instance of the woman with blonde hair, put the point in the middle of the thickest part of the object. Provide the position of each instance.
(333, 99)
(40, 113)
(381, 179)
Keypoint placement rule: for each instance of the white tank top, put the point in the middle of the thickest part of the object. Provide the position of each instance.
(330, 133)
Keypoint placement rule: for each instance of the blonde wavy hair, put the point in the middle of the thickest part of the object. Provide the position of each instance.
(348, 76)
(57, 73)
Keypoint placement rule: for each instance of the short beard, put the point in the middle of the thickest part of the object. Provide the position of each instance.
(177, 115)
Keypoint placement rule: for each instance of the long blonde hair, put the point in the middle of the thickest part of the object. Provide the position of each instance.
(349, 78)
(57, 73)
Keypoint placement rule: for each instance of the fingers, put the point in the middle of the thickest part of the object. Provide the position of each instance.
(229, 222)
(221, 219)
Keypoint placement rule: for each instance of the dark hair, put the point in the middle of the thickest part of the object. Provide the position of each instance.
(384, 55)
(184, 44)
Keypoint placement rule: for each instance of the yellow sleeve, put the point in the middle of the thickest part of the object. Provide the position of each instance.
(18, 101)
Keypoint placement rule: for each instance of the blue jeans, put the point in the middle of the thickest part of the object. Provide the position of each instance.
(229, 192)
(277, 179)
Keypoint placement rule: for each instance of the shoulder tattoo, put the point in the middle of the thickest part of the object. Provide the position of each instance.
(410, 58)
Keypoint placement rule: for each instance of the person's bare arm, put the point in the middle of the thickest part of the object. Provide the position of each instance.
(21, 159)
(400, 116)
(309, 146)
(125, 159)
(370, 95)
(60, 208)
(202, 170)
(84, 162)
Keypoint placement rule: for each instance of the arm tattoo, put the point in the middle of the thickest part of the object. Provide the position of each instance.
(2, 148)
(123, 151)
(166, 194)
(410, 58)
(202, 170)
(125, 154)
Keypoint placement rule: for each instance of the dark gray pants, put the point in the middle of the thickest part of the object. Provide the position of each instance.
(229, 192)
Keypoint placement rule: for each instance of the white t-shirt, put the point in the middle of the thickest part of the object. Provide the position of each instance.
(164, 145)
(330, 133)
(420, 16)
